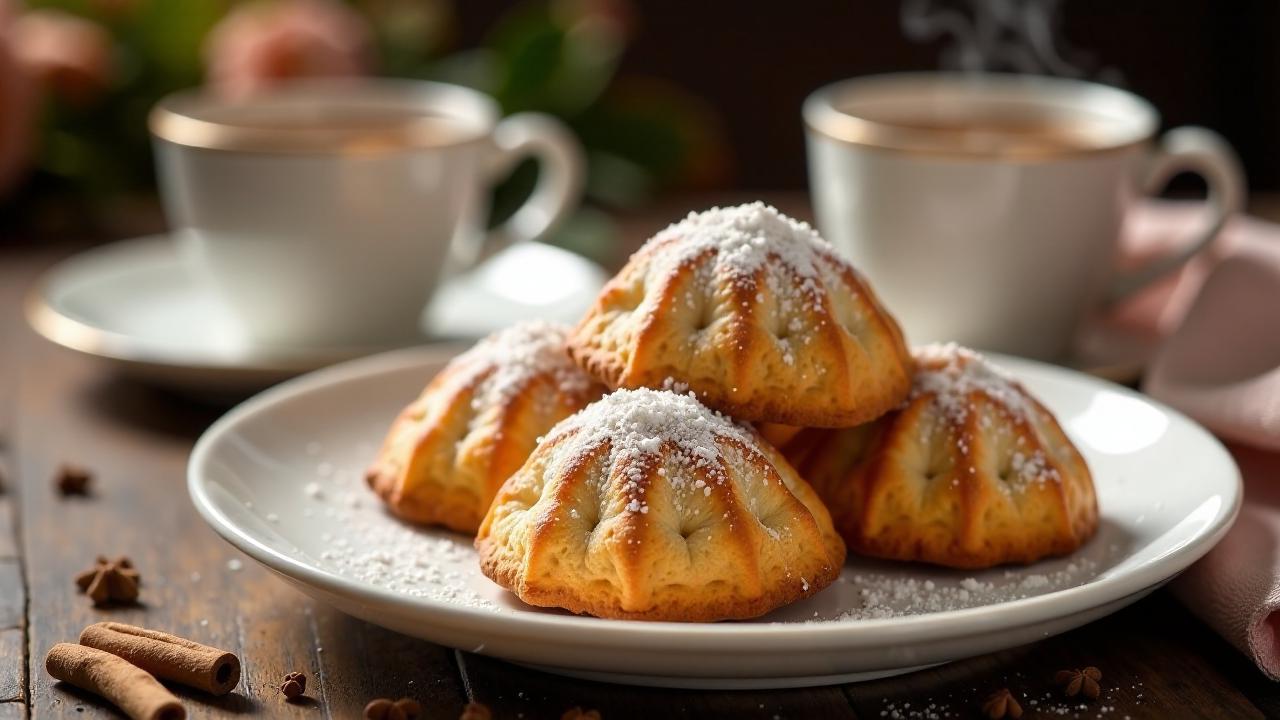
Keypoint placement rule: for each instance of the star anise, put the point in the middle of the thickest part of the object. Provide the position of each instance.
(1001, 704)
(294, 685)
(110, 581)
(73, 480)
(1080, 682)
(384, 709)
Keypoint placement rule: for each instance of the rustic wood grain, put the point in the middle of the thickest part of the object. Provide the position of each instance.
(17, 268)
(12, 607)
(136, 441)
(512, 691)
(12, 678)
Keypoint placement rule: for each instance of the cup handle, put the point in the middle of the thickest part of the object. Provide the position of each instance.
(561, 175)
(1206, 153)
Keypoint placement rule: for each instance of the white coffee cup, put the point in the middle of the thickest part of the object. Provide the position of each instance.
(986, 209)
(325, 212)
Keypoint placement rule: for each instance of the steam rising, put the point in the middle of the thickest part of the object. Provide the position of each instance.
(1001, 35)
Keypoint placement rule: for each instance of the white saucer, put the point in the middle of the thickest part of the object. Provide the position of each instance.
(135, 304)
(280, 478)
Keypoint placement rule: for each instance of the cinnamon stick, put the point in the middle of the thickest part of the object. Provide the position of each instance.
(167, 656)
(129, 687)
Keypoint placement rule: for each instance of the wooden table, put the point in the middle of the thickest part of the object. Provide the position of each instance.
(1157, 660)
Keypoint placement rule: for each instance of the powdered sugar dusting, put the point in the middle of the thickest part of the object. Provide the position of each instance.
(655, 423)
(952, 374)
(515, 355)
(748, 239)
(746, 236)
(362, 542)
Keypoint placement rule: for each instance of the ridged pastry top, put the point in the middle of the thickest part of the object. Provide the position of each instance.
(636, 423)
(970, 471)
(474, 425)
(745, 240)
(511, 357)
(951, 376)
(755, 313)
(648, 505)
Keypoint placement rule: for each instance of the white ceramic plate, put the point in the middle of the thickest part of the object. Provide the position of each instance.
(280, 478)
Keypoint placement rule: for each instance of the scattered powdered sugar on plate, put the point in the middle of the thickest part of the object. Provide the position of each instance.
(889, 595)
(364, 543)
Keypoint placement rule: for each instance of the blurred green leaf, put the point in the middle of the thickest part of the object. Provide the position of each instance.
(171, 35)
(553, 63)
(410, 33)
(477, 69)
(616, 180)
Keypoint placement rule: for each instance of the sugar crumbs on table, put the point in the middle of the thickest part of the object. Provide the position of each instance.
(235, 564)
(110, 582)
(72, 480)
(577, 713)
(476, 711)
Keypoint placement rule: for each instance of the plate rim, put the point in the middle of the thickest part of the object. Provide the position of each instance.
(711, 637)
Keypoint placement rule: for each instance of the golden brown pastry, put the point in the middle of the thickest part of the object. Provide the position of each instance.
(754, 313)
(971, 472)
(475, 424)
(648, 505)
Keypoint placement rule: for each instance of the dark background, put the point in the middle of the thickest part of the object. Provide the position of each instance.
(1215, 64)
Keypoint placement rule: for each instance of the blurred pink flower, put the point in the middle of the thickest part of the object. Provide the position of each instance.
(69, 55)
(261, 43)
(18, 99)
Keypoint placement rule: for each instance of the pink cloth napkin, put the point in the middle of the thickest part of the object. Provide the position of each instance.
(1214, 333)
